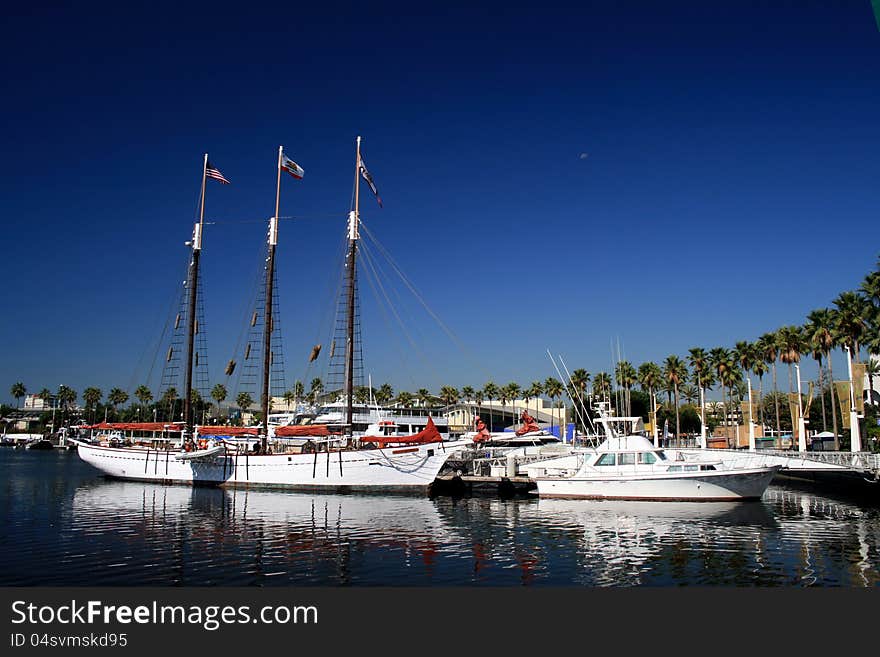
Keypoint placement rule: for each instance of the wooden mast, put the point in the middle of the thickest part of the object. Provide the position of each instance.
(267, 328)
(353, 219)
(193, 283)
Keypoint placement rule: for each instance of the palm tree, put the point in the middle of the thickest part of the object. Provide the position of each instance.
(289, 397)
(676, 374)
(467, 393)
(478, 400)
(384, 394)
(851, 324)
(730, 376)
(503, 396)
(299, 391)
(690, 393)
(18, 391)
(490, 392)
(759, 368)
(513, 391)
(625, 375)
(769, 351)
(405, 399)
(650, 377)
(67, 396)
(168, 398)
(702, 370)
(91, 396)
(315, 390)
(534, 391)
(815, 331)
(722, 362)
(142, 392)
(746, 354)
(244, 400)
(361, 394)
(580, 379)
(424, 396)
(553, 388)
(115, 397)
(219, 394)
(449, 395)
(602, 384)
(791, 344)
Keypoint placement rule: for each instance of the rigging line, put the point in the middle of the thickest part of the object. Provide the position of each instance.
(370, 262)
(462, 347)
(369, 258)
(175, 301)
(249, 303)
(331, 311)
(576, 395)
(225, 222)
(388, 284)
(408, 319)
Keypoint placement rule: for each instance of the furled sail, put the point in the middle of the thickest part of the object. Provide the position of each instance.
(429, 434)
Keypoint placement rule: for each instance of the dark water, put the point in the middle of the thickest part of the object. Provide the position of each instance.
(64, 524)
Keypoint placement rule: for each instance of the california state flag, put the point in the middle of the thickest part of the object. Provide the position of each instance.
(291, 167)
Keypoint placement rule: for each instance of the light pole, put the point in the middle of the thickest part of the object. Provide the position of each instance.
(751, 419)
(802, 425)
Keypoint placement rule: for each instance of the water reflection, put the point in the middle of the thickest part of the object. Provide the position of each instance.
(66, 525)
(255, 536)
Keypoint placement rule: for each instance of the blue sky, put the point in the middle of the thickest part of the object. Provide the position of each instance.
(667, 174)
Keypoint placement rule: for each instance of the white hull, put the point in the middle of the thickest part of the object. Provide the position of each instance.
(409, 468)
(698, 486)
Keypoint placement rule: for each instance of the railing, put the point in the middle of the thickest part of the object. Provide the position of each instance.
(863, 461)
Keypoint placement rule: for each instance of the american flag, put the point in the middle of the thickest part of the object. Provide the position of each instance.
(211, 172)
(366, 176)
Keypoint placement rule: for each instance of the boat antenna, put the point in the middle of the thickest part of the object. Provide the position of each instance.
(582, 411)
(193, 284)
(353, 222)
(268, 325)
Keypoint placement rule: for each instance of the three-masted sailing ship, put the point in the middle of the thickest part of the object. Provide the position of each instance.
(337, 461)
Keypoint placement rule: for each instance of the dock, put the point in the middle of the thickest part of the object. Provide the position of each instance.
(497, 471)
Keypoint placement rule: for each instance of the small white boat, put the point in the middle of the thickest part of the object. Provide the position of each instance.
(630, 467)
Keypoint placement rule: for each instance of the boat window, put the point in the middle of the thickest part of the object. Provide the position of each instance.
(674, 468)
(707, 467)
(606, 459)
(627, 458)
(691, 468)
(660, 455)
(647, 458)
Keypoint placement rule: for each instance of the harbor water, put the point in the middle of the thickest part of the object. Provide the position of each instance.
(64, 524)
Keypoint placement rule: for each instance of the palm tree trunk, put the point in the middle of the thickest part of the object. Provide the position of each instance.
(833, 403)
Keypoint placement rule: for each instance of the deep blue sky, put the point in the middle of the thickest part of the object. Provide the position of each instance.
(728, 187)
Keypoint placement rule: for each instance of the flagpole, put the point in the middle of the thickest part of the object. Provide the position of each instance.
(268, 324)
(353, 219)
(193, 283)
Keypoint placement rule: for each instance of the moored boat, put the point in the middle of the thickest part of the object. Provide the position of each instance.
(630, 467)
(335, 461)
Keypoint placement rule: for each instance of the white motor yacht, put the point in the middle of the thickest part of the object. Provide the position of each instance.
(630, 467)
